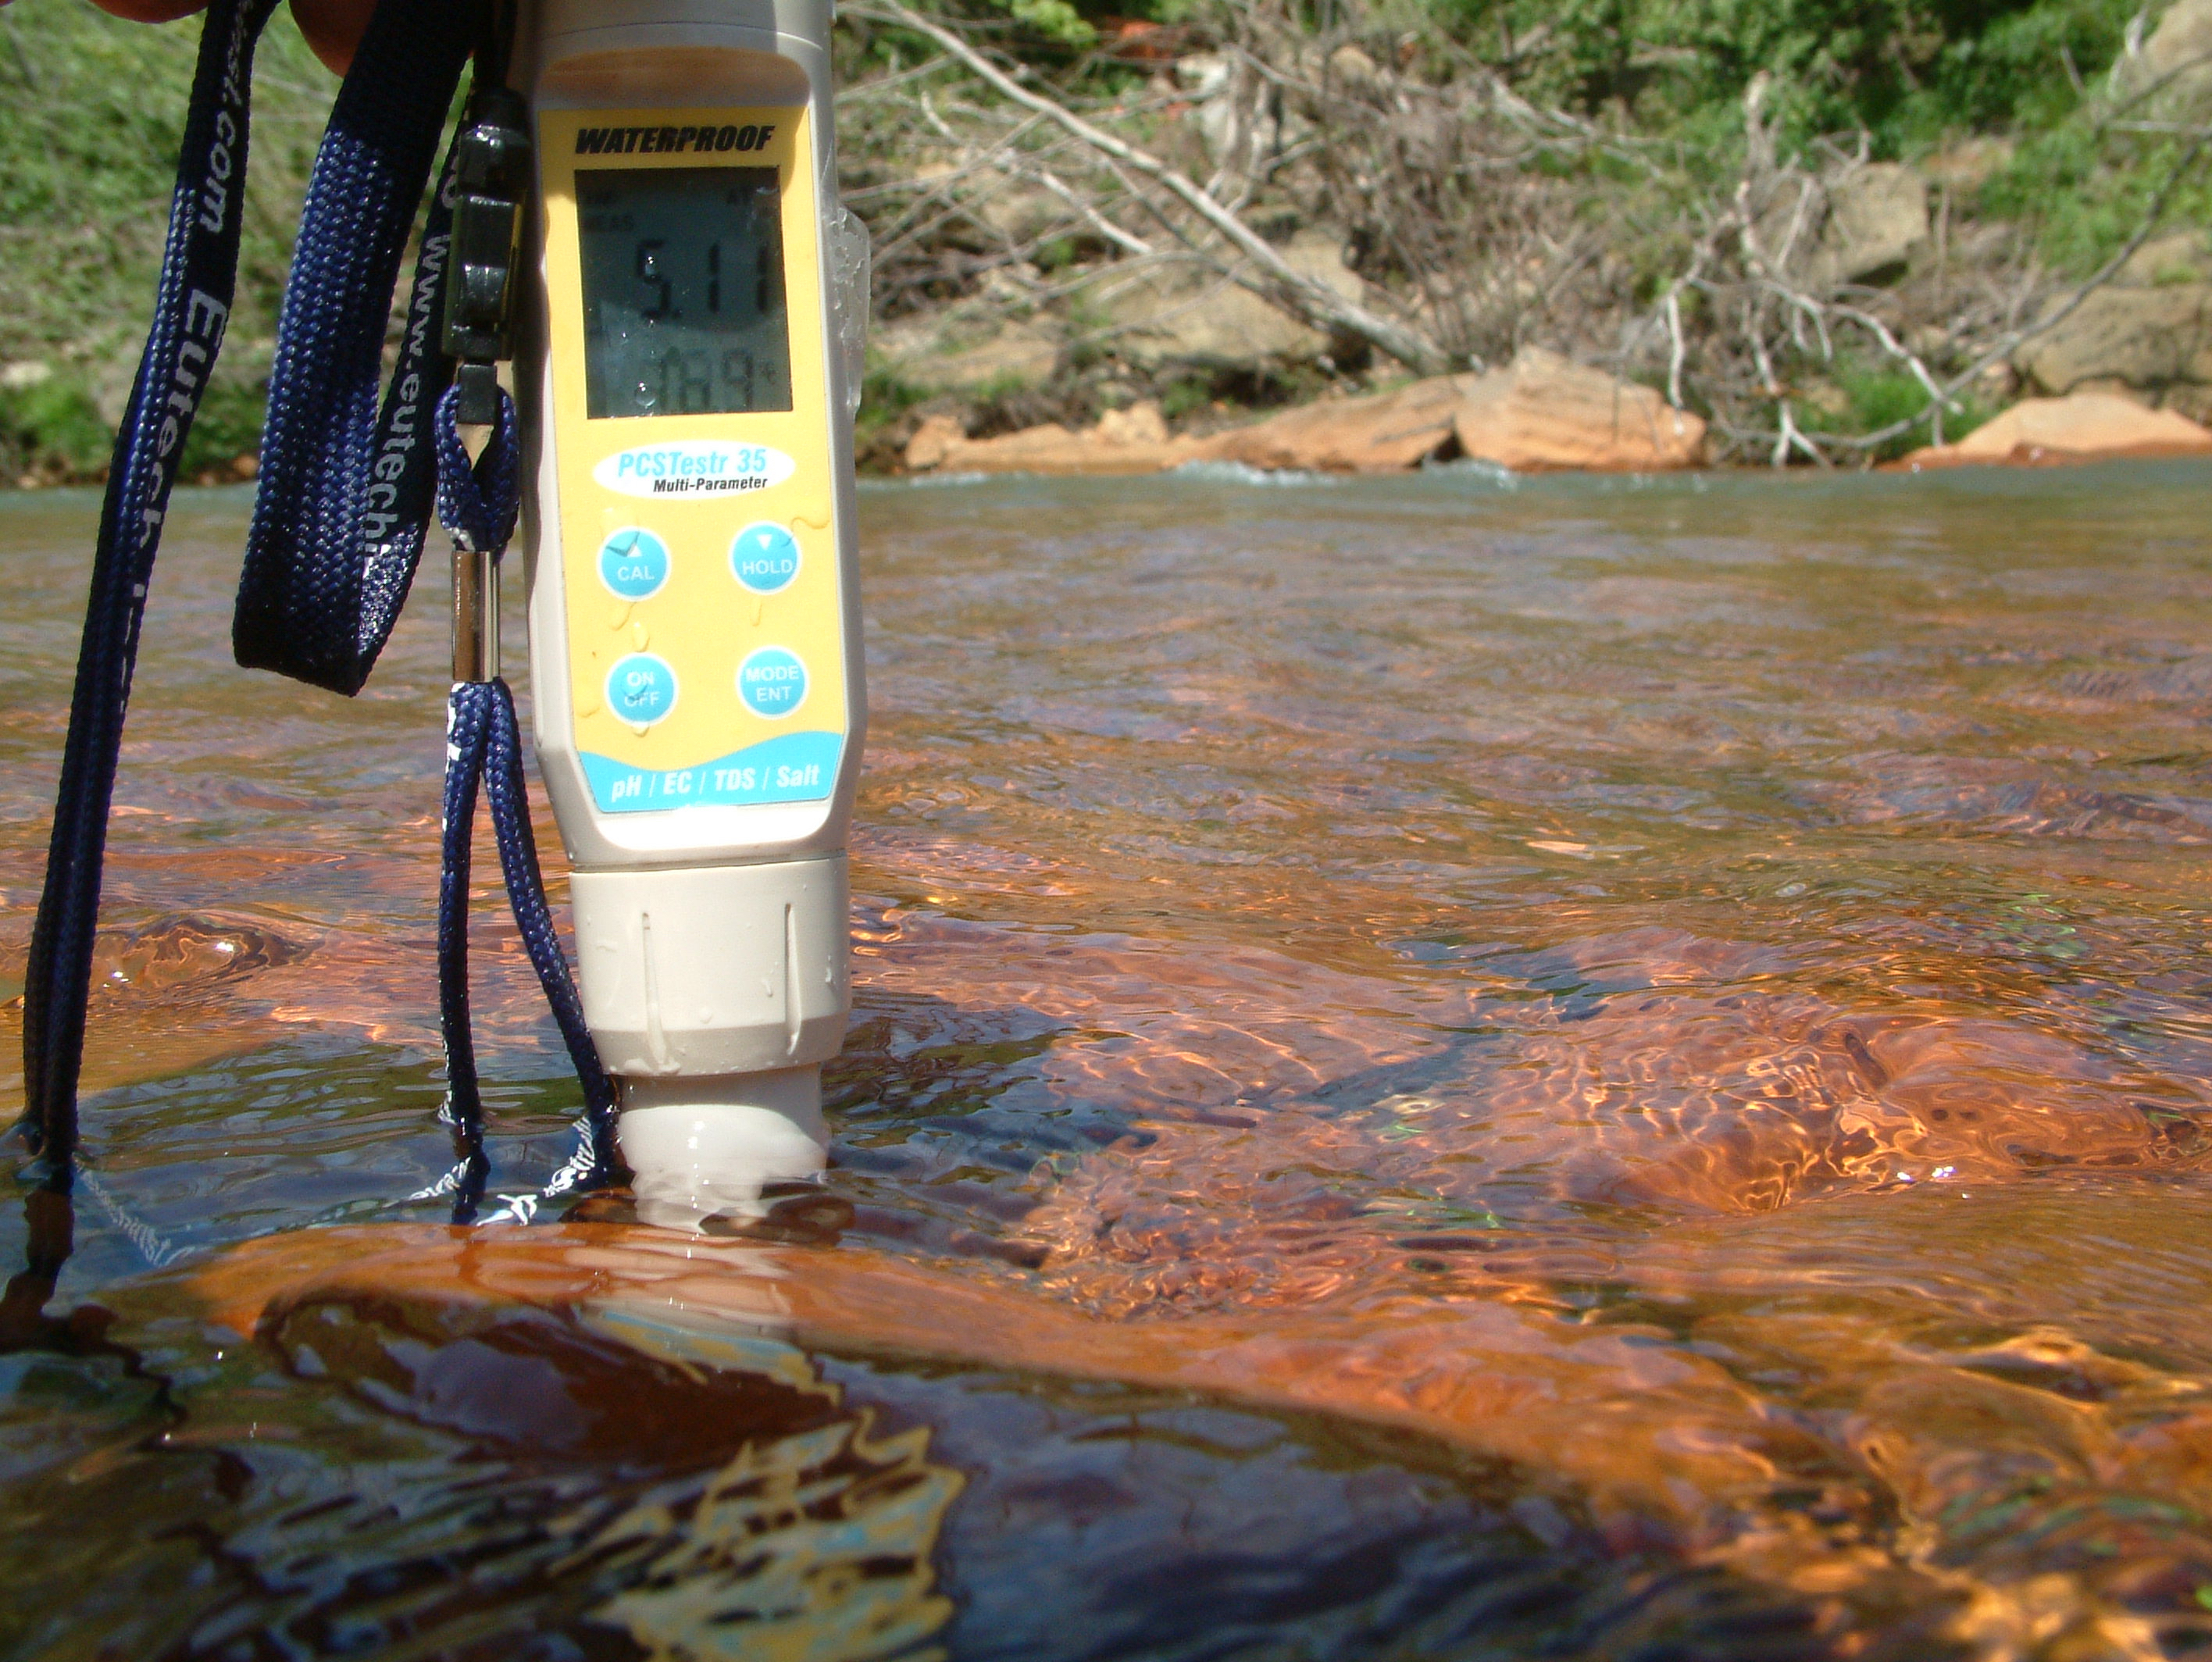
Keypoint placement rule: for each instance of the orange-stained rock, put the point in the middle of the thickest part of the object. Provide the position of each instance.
(1664, 1444)
(936, 439)
(2082, 426)
(1544, 413)
(1384, 433)
(1133, 441)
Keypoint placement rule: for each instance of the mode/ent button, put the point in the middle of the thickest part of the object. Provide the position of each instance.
(772, 682)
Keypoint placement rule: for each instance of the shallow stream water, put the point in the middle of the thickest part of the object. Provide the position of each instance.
(1602, 1068)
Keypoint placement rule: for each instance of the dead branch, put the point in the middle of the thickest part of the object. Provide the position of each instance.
(1263, 269)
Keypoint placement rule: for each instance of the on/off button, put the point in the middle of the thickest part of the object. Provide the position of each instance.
(641, 688)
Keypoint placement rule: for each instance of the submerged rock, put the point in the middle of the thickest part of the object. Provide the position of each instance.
(2083, 426)
(1684, 1443)
(184, 951)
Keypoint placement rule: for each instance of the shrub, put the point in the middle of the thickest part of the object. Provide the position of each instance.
(52, 432)
(1878, 395)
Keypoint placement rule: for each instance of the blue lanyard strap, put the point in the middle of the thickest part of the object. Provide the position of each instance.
(477, 505)
(199, 270)
(346, 490)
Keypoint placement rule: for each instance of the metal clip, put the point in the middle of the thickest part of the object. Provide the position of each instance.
(492, 166)
(475, 614)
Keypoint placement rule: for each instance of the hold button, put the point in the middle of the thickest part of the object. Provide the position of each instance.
(764, 557)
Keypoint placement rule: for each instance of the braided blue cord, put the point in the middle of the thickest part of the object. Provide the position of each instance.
(467, 723)
(199, 267)
(391, 111)
(477, 503)
(336, 534)
(509, 796)
(338, 522)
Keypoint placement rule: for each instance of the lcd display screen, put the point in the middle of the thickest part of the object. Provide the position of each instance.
(683, 308)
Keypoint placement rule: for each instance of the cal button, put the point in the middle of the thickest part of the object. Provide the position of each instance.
(765, 558)
(634, 563)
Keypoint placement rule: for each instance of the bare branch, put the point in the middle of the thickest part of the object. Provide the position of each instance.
(1278, 281)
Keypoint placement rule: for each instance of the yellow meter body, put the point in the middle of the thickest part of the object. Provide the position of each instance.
(688, 381)
(704, 605)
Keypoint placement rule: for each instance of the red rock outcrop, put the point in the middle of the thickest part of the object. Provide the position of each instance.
(1543, 413)
(1383, 432)
(2082, 426)
(1133, 441)
(1540, 413)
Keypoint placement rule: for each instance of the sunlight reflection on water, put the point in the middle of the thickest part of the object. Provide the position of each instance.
(1608, 1068)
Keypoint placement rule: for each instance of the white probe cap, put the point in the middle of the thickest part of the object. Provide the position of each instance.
(702, 1147)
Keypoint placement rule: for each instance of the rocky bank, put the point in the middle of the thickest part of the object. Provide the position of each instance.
(1542, 412)
(1126, 370)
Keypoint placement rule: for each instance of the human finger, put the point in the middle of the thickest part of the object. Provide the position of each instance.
(333, 28)
(150, 11)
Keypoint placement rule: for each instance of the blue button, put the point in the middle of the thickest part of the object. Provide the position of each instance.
(765, 558)
(634, 563)
(772, 682)
(641, 688)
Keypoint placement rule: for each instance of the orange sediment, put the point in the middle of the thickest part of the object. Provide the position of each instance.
(1659, 1442)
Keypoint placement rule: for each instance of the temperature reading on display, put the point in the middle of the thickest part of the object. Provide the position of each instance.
(682, 291)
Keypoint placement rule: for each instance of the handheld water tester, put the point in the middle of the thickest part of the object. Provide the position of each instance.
(686, 372)
(641, 213)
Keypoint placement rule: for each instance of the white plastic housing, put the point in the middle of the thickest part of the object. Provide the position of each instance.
(706, 1147)
(716, 969)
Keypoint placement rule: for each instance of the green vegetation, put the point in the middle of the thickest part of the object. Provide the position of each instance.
(883, 399)
(1909, 72)
(2085, 191)
(94, 107)
(1185, 396)
(51, 430)
(1871, 397)
(1913, 75)
(88, 156)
